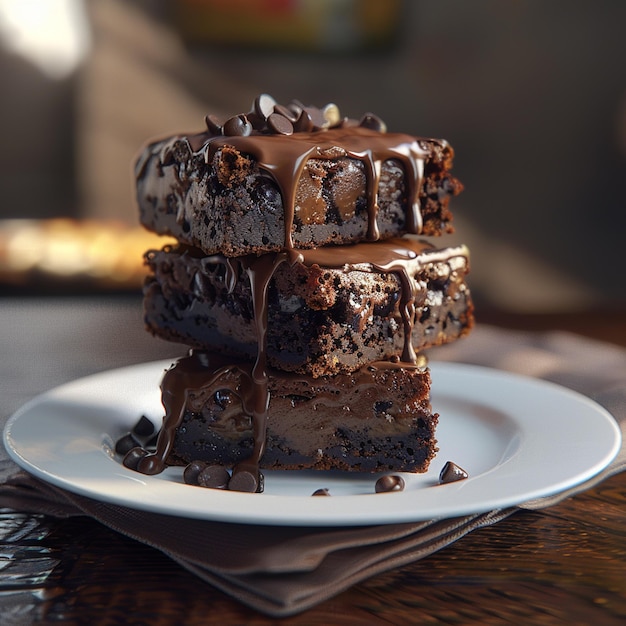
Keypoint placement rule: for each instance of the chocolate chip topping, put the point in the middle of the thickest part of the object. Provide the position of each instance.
(214, 126)
(451, 472)
(373, 122)
(268, 117)
(264, 105)
(389, 483)
(237, 126)
(126, 443)
(321, 492)
(279, 124)
(286, 112)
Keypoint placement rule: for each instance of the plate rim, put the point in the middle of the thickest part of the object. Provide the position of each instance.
(325, 511)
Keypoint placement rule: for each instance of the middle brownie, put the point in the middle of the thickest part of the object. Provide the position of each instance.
(323, 317)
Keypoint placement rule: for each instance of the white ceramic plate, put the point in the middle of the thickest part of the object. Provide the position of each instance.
(518, 438)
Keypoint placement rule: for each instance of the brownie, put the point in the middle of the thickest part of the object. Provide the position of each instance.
(376, 419)
(331, 311)
(301, 284)
(294, 177)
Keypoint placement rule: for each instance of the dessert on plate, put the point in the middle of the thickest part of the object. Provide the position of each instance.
(303, 286)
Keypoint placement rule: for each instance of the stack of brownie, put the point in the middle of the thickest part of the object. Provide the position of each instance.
(305, 289)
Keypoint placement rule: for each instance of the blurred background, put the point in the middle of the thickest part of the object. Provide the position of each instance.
(532, 96)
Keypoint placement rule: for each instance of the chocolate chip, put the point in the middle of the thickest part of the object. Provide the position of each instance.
(264, 105)
(296, 106)
(292, 116)
(373, 122)
(192, 471)
(126, 443)
(321, 492)
(152, 442)
(237, 126)
(143, 428)
(280, 124)
(317, 117)
(214, 477)
(332, 116)
(304, 123)
(389, 483)
(214, 126)
(243, 480)
(258, 121)
(451, 472)
(132, 458)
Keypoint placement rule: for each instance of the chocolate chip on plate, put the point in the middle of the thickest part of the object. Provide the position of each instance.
(386, 484)
(451, 473)
(213, 477)
(243, 480)
(126, 443)
(192, 471)
(132, 458)
(143, 428)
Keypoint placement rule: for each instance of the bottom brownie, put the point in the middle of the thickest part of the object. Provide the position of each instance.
(376, 419)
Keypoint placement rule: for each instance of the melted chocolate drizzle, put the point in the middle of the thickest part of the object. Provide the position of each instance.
(284, 159)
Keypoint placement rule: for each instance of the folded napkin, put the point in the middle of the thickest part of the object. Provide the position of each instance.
(285, 570)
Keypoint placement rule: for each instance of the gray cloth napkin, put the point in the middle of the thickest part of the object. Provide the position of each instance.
(283, 570)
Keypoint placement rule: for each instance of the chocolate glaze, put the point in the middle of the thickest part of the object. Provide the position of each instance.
(284, 157)
(400, 256)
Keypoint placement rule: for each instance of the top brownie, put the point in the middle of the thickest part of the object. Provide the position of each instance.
(282, 177)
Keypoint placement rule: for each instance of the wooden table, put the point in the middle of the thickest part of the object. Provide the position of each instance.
(562, 565)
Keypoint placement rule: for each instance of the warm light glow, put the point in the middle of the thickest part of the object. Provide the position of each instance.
(52, 34)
